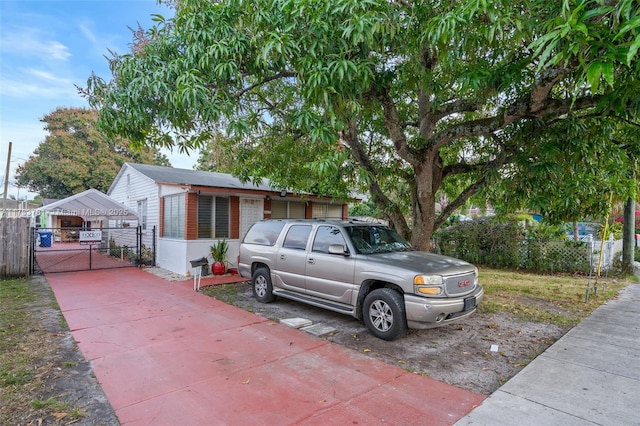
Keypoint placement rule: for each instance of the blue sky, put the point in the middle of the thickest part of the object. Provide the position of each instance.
(49, 46)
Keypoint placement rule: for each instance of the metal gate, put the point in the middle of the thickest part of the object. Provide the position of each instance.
(76, 249)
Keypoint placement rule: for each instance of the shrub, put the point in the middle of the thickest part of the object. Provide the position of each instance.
(503, 243)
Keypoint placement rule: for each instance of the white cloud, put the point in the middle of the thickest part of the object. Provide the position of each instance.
(37, 84)
(30, 42)
(87, 31)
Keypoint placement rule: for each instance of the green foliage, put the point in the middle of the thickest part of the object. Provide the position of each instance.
(213, 156)
(122, 251)
(482, 241)
(507, 244)
(570, 169)
(365, 209)
(219, 251)
(75, 156)
(412, 101)
(612, 229)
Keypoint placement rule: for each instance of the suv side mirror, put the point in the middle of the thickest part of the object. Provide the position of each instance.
(338, 249)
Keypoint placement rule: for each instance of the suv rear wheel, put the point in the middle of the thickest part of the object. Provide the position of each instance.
(384, 314)
(261, 286)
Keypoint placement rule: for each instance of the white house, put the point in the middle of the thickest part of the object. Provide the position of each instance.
(191, 210)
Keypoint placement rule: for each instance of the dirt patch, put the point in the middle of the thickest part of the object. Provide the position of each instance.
(479, 353)
(65, 391)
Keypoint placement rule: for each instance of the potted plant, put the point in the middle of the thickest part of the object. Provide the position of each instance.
(219, 254)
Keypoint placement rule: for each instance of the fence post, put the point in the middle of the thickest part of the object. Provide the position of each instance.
(139, 246)
(153, 263)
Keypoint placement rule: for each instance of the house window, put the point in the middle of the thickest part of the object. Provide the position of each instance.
(287, 210)
(142, 213)
(174, 216)
(213, 217)
(326, 211)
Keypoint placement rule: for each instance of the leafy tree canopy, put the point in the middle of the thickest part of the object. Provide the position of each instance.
(416, 101)
(75, 156)
(213, 155)
(571, 170)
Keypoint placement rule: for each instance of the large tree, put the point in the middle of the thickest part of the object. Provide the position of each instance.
(571, 170)
(75, 156)
(417, 100)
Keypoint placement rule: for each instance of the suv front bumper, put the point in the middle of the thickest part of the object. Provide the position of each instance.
(423, 313)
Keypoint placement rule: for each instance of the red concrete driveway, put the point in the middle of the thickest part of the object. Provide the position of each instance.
(166, 355)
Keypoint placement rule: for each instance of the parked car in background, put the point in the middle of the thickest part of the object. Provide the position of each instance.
(362, 269)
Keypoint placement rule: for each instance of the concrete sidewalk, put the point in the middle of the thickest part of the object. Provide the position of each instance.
(591, 376)
(166, 355)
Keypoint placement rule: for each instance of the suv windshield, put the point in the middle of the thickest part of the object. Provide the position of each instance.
(376, 239)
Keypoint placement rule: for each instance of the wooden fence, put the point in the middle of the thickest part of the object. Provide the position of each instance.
(14, 247)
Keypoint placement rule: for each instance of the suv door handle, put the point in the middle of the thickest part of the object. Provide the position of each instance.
(283, 257)
(311, 261)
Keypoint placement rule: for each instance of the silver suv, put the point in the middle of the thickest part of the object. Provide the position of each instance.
(361, 269)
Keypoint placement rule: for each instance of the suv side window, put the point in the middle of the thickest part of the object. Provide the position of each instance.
(326, 236)
(297, 237)
(264, 233)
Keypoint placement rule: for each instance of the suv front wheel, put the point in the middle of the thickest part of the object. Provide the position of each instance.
(261, 286)
(384, 314)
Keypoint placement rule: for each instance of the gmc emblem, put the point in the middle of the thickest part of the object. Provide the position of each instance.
(464, 283)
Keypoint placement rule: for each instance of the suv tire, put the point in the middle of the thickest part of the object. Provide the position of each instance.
(384, 314)
(261, 286)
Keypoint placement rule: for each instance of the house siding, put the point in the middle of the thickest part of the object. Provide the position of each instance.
(132, 185)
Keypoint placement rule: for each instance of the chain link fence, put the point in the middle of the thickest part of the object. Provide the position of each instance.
(67, 249)
(504, 245)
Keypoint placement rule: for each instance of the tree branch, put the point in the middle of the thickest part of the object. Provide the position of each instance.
(458, 202)
(550, 109)
(266, 80)
(357, 151)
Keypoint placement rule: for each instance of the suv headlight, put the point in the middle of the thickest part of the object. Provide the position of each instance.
(428, 284)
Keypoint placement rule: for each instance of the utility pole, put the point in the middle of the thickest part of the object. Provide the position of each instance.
(6, 182)
(628, 237)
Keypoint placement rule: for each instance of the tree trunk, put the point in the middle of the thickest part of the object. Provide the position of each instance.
(628, 236)
(428, 178)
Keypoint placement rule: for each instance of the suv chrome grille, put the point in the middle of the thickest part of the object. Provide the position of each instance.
(460, 284)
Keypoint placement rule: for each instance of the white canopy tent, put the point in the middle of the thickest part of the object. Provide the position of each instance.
(90, 205)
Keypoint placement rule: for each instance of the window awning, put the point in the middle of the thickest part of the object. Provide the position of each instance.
(90, 205)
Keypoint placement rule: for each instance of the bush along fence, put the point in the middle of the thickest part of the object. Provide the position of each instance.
(507, 245)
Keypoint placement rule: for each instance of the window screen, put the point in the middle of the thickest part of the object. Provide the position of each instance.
(213, 217)
(174, 216)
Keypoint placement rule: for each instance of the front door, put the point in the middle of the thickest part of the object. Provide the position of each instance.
(251, 211)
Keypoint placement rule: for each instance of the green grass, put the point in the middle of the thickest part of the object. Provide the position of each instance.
(15, 325)
(51, 403)
(552, 299)
(227, 293)
(26, 350)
